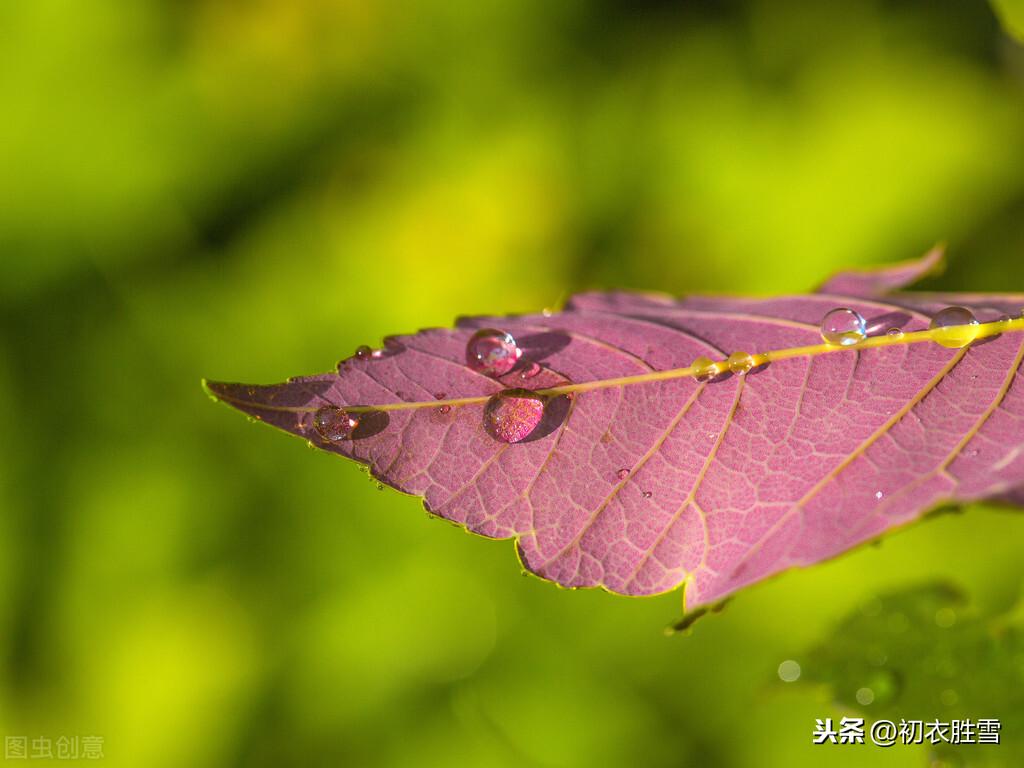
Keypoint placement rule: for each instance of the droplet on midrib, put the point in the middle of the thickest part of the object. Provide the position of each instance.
(954, 327)
(843, 327)
(492, 352)
(512, 415)
(334, 423)
(705, 369)
(740, 362)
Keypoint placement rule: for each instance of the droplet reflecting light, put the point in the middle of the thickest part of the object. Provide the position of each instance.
(334, 423)
(706, 369)
(843, 327)
(492, 352)
(954, 327)
(740, 362)
(513, 414)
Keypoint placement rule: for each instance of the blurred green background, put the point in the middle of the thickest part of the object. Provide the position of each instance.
(249, 190)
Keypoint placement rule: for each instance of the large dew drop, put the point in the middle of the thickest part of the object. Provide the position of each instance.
(492, 352)
(512, 415)
(334, 423)
(954, 327)
(843, 327)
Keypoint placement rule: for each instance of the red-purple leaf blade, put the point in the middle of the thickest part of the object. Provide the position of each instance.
(640, 488)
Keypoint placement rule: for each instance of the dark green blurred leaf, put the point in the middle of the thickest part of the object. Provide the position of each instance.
(924, 654)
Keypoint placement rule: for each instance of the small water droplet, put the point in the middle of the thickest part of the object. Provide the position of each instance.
(363, 352)
(444, 409)
(380, 486)
(647, 494)
(513, 414)
(334, 423)
(894, 333)
(740, 362)
(879, 494)
(789, 671)
(547, 312)
(530, 371)
(843, 327)
(492, 352)
(949, 697)
(954, 327)
(706, 369)
(864, 696)
(623, 473)
(440, 395)
(945, 617)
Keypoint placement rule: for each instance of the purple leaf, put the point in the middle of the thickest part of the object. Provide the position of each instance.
(641, 486)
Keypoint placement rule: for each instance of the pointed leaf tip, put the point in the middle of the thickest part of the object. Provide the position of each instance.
(651, 477)
(877, 281)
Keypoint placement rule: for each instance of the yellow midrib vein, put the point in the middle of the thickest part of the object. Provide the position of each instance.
(983, 331)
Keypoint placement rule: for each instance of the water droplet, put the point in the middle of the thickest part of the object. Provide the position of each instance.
(511, 415)
(440, 395)
(706, 369)
(334, 423)
(363, 352)
(530, 371)
(789, 671)
(864, 696)
(492, 352)
(843, 327)
(547, 312)
(894, 333)
(623, 473)
(380, 486)
(647, 494)
(740, 362)
(444, 409)
(945, 617)
(879, 494)
(954, 327)
(949, 697)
